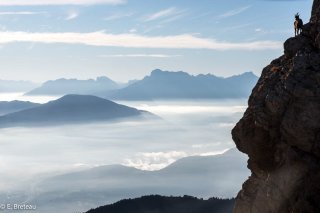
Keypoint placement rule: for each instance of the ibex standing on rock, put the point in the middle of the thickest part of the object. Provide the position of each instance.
(298, 24)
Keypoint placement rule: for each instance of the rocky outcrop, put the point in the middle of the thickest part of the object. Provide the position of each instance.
(280, 130)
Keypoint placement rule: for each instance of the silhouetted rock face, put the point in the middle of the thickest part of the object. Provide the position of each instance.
(280, 130)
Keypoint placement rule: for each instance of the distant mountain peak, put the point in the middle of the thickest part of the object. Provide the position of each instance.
(181, 85)
(74, 98)
(70, 109)
(104, 78)
(156, 71)
(247, 73)
(159, 72)
(80, 97)
(64, 86)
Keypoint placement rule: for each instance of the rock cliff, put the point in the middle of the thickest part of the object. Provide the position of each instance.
(280, 130)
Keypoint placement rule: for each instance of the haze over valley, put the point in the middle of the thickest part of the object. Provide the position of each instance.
(70, 137)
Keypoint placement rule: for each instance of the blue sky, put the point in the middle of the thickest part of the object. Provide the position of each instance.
(126, 39)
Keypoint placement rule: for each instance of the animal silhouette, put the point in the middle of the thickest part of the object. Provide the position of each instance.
(298, 24)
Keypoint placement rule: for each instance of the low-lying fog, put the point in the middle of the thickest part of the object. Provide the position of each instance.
(187, 128)
(29, 156)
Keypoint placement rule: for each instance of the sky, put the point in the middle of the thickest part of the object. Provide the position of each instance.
(126, 39)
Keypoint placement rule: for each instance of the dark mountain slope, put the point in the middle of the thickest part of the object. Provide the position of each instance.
(70, 109)
(161, 204)
(15, 106)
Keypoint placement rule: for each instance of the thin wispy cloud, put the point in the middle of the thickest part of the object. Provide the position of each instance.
(235, 27)
(173, 18)
(58, 2)
(133, 30)
(72, 15)
(234, 12)
(118, 16)
(184, 41)
(152, 28)
(164, 14)
(4, 13)
(139, 56)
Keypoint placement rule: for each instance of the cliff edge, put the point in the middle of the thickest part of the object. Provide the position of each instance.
(280, 130)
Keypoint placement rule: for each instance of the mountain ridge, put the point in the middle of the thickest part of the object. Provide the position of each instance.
(181, 85)
(158, 85)
(162, 204)
(64, 86)
(7, 107)
(70, 109)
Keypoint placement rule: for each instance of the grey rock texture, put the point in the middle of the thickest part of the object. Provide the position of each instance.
(280, 130)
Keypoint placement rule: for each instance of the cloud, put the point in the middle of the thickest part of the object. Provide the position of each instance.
(184, 41)
(234, 12)
(235, 27)
(140, 56)
(226, 124)
(206, 146)
(133, 30)
(118, 16)
(173, 18)
(154, 160)
(72, 15)
(172, 13)
(151, 161)
(20, 13)
(58, 2)
(213, 153)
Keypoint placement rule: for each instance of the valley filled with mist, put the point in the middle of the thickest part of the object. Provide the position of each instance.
(83, 165)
